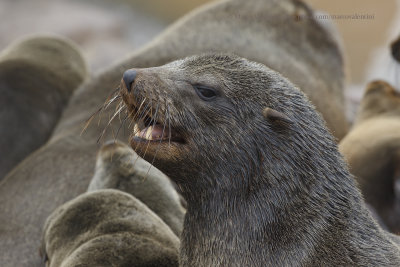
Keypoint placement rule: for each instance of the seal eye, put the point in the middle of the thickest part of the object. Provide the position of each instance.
(205, 93)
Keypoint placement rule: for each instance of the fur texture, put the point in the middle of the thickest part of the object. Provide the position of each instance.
(107, 228)
(266, 31)
(260, 191)
(119, 167)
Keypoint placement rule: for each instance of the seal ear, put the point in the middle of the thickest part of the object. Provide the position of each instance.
(273, 115)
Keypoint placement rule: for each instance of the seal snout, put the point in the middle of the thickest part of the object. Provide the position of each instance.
(129, 77)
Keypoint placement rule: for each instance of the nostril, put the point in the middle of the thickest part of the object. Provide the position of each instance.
(129, 77)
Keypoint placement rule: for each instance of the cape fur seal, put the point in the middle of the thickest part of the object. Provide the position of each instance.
(37, 76)
(262, 175)
(262, 30)
(119, 167)
(372, 149)
(107, 228)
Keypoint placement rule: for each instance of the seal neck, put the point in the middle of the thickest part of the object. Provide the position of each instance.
(265, 225)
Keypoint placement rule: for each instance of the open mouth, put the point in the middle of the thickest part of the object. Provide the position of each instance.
(149, 130)
(155, 132)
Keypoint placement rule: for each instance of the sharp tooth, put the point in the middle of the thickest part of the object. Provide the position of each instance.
(136, 130)
(149, 135)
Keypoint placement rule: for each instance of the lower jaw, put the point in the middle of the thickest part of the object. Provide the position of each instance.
(161, 146)
(155, 152)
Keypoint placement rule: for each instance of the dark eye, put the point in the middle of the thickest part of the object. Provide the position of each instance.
(205, 93)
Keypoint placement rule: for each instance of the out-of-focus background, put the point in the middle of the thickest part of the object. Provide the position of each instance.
(109, 30)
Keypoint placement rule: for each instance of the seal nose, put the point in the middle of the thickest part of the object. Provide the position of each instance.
(129, 77)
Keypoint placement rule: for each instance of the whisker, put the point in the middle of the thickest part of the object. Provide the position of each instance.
(169, 127)
(154, 123)
(116, 90)
(151, 101)
(122, 124)
(148, 142)
(145, 114)
(158, 147)
(130, 114)
(120, 104)
(108, 103)
(135, 117)
(109, 100)
(88, 121)
(100, 109)
(109, 122)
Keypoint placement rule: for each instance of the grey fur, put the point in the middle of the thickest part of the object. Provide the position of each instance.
(259, 192)
(118, 167)
(262, 30)
(107, 228)
(38, 74)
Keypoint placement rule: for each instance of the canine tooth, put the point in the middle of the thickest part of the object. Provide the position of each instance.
(136, 129)
(149, 135)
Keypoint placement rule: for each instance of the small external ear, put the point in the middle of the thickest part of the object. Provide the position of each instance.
(273, 115)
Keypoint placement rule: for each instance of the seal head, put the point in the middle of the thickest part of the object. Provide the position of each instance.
(179, 107)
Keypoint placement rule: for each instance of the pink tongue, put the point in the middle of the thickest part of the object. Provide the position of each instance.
(157, 132)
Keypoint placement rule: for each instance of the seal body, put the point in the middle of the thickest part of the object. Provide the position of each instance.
(372, 149)
(107, 228)
(266, 31)
(263, 178)
(119, 167)
(38, 75)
